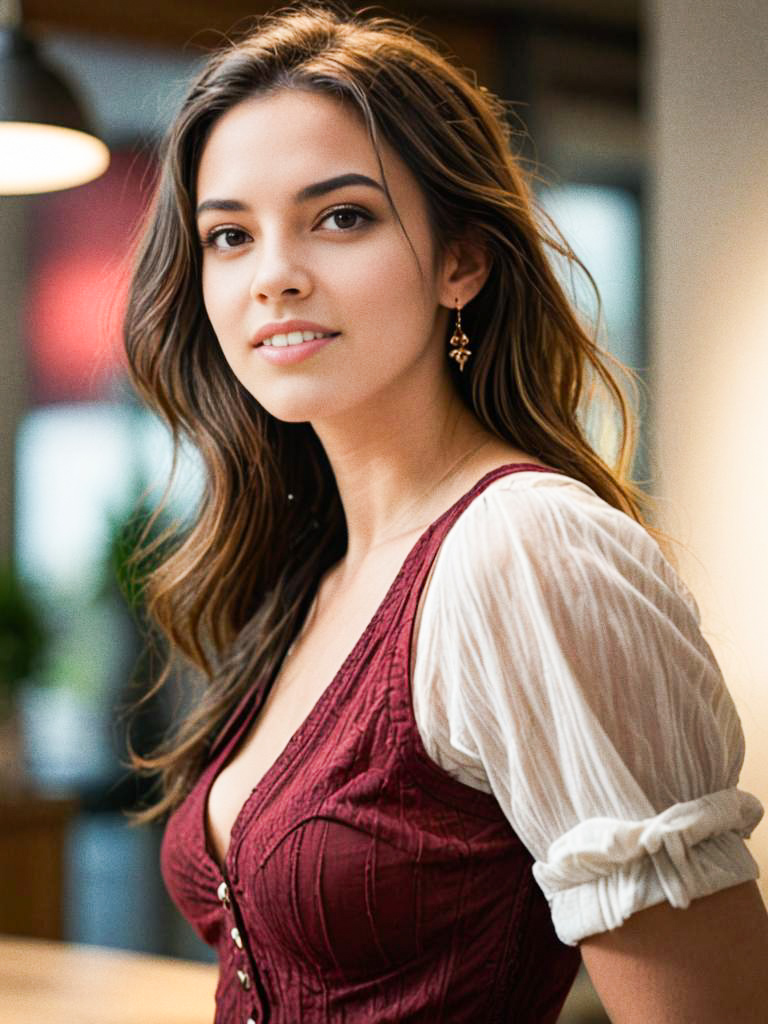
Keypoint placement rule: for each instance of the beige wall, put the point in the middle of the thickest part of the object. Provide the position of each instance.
(707, 91)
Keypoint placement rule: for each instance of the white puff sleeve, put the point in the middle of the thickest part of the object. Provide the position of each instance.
(560, 665)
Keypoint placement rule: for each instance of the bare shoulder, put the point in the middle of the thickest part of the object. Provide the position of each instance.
(553, 479)
(501, 453)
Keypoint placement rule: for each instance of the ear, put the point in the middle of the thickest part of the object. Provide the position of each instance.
(465, 268)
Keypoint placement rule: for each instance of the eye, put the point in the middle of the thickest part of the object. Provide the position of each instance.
(232, 238)
(342, 213)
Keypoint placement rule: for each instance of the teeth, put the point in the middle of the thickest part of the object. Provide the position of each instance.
(294, 338)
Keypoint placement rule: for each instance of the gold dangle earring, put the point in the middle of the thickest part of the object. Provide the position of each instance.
(459, 342)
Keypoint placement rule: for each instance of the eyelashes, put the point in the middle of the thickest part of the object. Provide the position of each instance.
(356, 210)
(237, 235)
(209, 240)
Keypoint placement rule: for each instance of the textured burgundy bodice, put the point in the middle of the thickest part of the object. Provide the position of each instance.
(362, 882)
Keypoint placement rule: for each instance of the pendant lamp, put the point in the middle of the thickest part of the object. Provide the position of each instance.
(45, 142)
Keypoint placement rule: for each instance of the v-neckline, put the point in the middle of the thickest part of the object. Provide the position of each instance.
(285, 756)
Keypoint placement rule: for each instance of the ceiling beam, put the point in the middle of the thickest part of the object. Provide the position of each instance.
(201, 23)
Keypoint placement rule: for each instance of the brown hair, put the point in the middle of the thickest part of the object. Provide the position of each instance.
(238, 581)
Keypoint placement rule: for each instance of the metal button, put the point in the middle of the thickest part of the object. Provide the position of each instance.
(223, 893)
(244, 980)
(236, 938)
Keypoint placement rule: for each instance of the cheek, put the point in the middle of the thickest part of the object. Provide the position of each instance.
(222, 297)
(390, 292)
(210, 296)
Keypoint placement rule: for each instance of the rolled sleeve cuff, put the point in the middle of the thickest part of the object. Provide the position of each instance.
(604, 870)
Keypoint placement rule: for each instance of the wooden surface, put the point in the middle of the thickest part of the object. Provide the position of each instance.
(66, 984)
(33, 835)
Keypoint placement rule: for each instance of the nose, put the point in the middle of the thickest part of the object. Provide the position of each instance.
(279, 271)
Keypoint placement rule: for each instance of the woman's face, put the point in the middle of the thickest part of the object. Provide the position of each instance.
(279, 245)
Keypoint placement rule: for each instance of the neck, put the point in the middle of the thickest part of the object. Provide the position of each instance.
(396, 483)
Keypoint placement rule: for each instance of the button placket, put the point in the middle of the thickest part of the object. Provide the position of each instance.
(245, 970)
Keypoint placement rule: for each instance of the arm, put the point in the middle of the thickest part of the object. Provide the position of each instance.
(707, 964)
(584, 689)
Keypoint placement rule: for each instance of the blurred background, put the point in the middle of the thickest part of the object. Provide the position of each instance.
(646, 123)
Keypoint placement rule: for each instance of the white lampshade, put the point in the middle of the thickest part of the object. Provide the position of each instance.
(45, 143)
(44, 157)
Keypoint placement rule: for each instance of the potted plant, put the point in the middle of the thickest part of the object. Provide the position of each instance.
(23, 645)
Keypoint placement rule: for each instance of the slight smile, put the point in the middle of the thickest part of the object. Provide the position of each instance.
(291, 332)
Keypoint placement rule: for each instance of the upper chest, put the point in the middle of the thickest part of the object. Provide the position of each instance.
(334, 625)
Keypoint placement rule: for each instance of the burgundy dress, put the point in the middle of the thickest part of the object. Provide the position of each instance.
(363, 883)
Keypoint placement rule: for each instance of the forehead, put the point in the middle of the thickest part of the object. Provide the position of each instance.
(289, 139)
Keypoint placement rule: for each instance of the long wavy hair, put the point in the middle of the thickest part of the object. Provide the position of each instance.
(231, 588)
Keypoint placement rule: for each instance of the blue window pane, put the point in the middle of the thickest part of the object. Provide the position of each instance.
(602, 226)
(78, 465)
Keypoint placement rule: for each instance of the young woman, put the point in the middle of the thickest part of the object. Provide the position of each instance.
(458, 724)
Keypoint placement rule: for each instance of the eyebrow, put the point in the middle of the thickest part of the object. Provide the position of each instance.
(320, 188)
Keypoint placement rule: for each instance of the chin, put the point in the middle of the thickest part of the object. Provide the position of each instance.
(292, 410)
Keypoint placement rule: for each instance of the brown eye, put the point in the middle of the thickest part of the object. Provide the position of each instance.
(343, 214)
(231, 238)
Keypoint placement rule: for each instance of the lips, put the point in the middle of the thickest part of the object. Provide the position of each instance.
(286, 327)
(330, 334)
